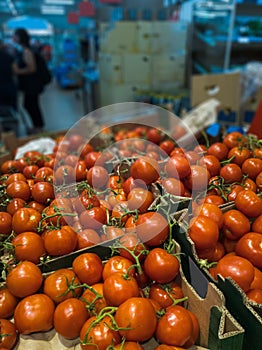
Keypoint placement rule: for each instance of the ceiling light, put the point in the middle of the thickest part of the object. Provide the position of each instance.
(59, 2)
(52, 10)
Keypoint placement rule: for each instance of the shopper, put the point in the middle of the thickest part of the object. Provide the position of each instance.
(8, 88)
(29, 83)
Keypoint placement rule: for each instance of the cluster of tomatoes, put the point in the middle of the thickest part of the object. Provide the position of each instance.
(80, 196)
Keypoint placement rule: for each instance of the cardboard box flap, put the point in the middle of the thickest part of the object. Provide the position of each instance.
(224, 87)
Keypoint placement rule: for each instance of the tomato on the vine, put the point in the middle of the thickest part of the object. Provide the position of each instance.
(249, 246)
(88, 267)
(8, 333)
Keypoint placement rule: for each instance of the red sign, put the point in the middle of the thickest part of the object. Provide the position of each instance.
(86, 9)
(111, 1)
(72, 17)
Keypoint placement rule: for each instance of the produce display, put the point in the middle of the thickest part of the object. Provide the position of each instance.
(125, 198)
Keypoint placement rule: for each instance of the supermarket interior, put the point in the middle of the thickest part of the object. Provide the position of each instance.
(130, 174)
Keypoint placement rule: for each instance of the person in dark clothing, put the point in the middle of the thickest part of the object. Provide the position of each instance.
(8, 88)
(26, 69)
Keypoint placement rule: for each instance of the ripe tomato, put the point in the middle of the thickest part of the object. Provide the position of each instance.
(118, 288)
(19, 189)
(154, 135)
(64, 174)
(173, 186)
(152, 228)
(29, 246)
(75, 141)
(234, 190)
(212, 211)
(133, 244)
(249, 203)
(239, 154)
(56, 212)
(98, 334)
(140, 199)
(5, 223)
(87, 238)
(29, 171)
(249, 246)
(137, 319)
(255, 295)
(117, 264)
(239, 269)
(56, 285)
(231, 173)
(26, 219)
(69, 317)
(145, 169)
(14, 178)
(97, 177)
(8, 334)
(60, 241)
(131, 183)
(178, 167)
(34, 313)
(165, 296)
(93, 218)
(204, 232)
(8, 303)
(9, 166)
(161, 266)
(213, 253)
(84, 149)
(44, 174)
(234, 139)
(167, 146)
(198, 178)
(175, 327)
(257, 224)
(88, 267)
(43, 192)
(257, 281)
(211, 163)
(259, 181)
(193, 157)
(195, 332)
(252, 167)
(24, 279)
(235, 225)
(219, 150)
(14, 205)
(94, 298)
(214, 199)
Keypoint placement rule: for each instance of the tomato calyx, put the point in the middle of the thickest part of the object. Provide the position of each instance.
(204, 264)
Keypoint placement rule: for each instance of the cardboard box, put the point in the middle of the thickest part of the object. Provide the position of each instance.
(137, 68)
(244, 311)
(111, 67)
(224, 87)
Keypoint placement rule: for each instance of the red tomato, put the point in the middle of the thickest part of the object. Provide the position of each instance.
(93, 218)
(193, 157)
(214, 199)
(140, 199)
(14, 205)
(212, 211)
(44, 174)
(8, 303)
(75, 141)
(178, 167)
(8, 334)
(238, 155)
(161, 266)
(97, 177)
(98, 334)
(30, 171)
(235, 224)
(5, 223)
(249, 246)
(231, 173)
(204, 232)
(234, 191)
(26, 219)
(173, 186)
(24, 279)
(19, 189)
(80, 170)
(212, 164)
(145, 169)
(88, 268)
(234, 139)
(255, 295)
(219, 150)
(257, 224)
(9, 166)
(238, 268)
(198, 179)
(43, 192)
(60, 241)
(87, 238)
(56, 285)
(118, 288)
(29, 246)
(154, 135)
(84, 149)
(133, 244)
(117, 264)
(249, 203)
(37, 206)
(195, 332)
(175, 327)
(249, 184)
(167, 146)
(137, 319)
(259, 181)
(165, 295)
(252, 167)
(14, 178)
(69, 317)
(94, 298)
(257, 281)
(152, 228)
(64, 174)
(34, 313)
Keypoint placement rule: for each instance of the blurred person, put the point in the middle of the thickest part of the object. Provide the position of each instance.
(25, 67)
(8, 86)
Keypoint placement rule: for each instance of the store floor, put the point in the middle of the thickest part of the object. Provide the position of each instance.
(61, 109)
